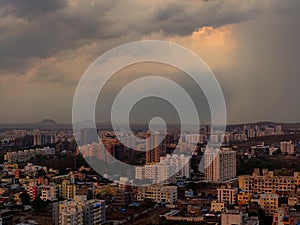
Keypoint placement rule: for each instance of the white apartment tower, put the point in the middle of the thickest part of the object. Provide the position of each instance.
(181, 163)
(162, 173)
(220, 165)
(287, 147)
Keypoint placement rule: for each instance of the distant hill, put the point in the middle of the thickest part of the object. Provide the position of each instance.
(43, 124)
(47, 122)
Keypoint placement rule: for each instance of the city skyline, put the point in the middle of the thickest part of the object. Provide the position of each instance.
(149, 112)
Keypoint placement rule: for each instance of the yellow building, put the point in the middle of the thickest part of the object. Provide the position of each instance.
(17, 198)
(269, 203)
(67, 213)
(268, 183)
(217, 206)
(68, 190)
(105, 190)
(244, 198)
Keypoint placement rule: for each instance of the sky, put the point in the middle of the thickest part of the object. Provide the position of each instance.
(251, 46)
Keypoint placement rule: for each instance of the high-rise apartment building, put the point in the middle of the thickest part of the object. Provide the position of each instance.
(42, 137)
(220, 165)
(269, 131)
(181, 163)
(251, 133)
(162, 173)
(192, 138)
(88, 136)
(155, 147)
(287, 147)
(278, 129)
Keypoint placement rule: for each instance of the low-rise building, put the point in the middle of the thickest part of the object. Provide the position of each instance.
(266, 182)
(294, 198)
(48, 192)
(6, 217)
(122, 198)
(79, 212)
(25, 155)
(286, 217)
(217, 206)
(227, 194)
(32, 190)
(230, 218)
(68, 190)
(269, 203)
(244, 198)
(158, 194)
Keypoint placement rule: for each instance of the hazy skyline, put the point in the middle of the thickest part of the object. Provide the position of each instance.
(251, 46)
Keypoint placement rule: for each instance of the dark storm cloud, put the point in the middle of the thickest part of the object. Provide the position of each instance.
(184, 17)
(33, 33)
(30, 8)
(39, 29)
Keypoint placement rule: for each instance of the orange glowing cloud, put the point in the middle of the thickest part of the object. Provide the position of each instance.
(215, 45)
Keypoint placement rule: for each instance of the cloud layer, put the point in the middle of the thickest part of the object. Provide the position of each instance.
(252, 46)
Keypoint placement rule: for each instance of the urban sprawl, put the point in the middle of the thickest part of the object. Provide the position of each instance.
(253, 177)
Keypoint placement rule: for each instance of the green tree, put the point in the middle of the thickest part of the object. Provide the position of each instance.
(39, 205)
(192, 186)
(25, 198)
